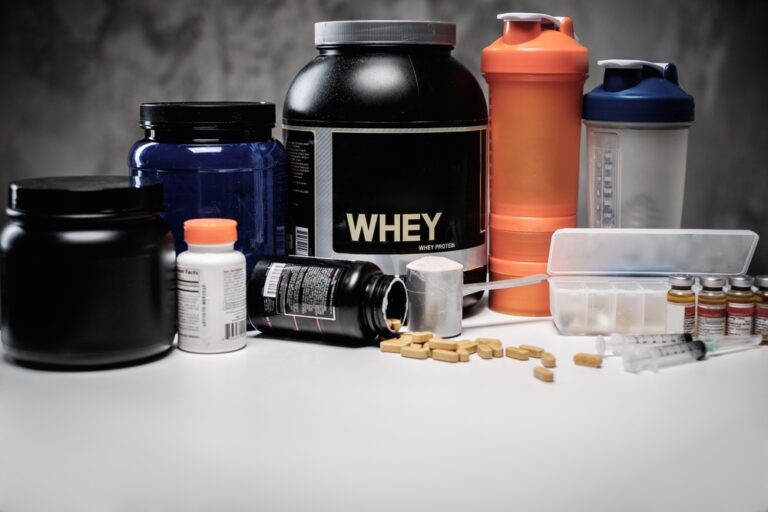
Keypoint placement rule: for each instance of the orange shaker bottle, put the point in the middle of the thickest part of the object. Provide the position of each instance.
(535, 73)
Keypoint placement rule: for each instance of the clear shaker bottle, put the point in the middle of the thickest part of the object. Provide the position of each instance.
(637, 124)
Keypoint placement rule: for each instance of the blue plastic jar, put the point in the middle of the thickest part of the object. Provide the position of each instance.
(217, 159)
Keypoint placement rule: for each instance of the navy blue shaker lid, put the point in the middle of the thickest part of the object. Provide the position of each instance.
(638, 91)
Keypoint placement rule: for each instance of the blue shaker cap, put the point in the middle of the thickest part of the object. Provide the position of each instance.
(638, 91)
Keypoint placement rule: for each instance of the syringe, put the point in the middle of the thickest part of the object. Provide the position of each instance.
(644, 357)
(618, 343)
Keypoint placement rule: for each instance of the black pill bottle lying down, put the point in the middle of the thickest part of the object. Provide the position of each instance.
(325, 299)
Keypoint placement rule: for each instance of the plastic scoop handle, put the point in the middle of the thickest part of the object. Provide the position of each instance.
(504, 283)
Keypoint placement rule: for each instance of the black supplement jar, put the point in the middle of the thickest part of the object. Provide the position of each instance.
(331, 300)
(386, 140)
(86, 272)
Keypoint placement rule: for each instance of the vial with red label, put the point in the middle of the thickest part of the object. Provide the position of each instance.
(741, 306)
(711, 309)
(681, 305)
(761, 307)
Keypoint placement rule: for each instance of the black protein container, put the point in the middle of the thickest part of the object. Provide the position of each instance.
(86, 272)
(331, 300)
(386, 139)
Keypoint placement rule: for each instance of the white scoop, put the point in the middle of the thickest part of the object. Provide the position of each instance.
(436, 287)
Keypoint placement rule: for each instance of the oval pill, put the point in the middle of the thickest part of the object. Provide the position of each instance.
(489, 341)
(441, 344)
(533, 350)
(414, 353)
(544, 374)
(394, 345)
(485, 351)
(420, 336)
(548, 360)
(516, 353)
(591, 360)
(468, 345)
(445, 355)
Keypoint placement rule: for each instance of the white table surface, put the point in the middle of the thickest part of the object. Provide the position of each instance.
(287, 425)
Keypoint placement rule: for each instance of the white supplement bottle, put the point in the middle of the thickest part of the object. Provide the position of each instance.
(210, 287)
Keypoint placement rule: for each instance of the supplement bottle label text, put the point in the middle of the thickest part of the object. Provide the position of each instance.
(711, 319)
(740, 318)
(761, 319)
(211, 305)
(307, 291)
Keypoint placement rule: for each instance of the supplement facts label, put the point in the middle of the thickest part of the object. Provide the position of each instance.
(740, 317)
(761, 319)
(191, 304)
(300, 148)
(711, 319)
(211, 305)
(307, 291)
(234, 303)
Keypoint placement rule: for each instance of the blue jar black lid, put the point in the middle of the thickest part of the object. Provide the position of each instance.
(638, 91)
(84, 196)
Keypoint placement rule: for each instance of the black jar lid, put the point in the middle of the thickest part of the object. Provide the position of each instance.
(208, 115)
(384, 32)
(84, 196)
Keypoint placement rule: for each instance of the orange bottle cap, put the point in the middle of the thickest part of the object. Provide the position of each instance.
(535, 44)
(210, 231)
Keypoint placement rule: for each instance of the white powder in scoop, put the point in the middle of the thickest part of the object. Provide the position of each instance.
(435, 264)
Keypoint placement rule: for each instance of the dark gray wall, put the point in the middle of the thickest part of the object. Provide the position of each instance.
(74, 73)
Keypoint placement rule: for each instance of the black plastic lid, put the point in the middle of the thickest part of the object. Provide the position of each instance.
(84, 196)
(208, 115)
(384, 32)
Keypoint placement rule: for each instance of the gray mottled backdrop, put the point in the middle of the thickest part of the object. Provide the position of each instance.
(74, 73)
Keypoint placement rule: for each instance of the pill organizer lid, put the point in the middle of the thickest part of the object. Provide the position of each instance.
(650, 252)
(84, 195)
(638, 91)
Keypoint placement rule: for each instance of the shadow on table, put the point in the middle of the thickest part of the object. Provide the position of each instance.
(327, 343)
(67, 369)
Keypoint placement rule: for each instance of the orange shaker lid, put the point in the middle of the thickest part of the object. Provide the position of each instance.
(210, 231)
(531, 224)
(516, 268)
(535, 43)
